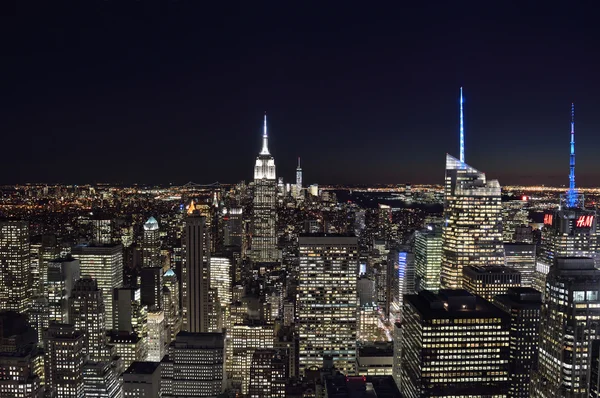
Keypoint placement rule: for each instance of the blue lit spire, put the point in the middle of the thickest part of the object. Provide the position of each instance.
(572, 194)
(462, 130)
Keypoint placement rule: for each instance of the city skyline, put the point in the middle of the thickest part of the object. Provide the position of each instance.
(363, 96)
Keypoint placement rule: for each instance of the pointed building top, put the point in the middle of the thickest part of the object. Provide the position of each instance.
(151, 224)
(191, 208)
(265, 147)
(462, 130)
(299, 162)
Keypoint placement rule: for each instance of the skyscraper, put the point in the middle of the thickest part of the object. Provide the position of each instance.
(220, 278)
(569, 325)
(157, 336)
(245, 340)
(62, 274)
(264, 210)
(454, 344)
(521, 256)
(569, 231)
(105, 265)
(196, 274)
(428, 258)
(64, 361)
(87, 314)
(472, 232)
(15, 278)
(194, 366)
(298, 179)
(488, 282)
(151, 244)
(523, 305)
(268, 374)
(326, 308)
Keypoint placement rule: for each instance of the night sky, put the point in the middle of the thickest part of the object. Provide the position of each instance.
(119, 91)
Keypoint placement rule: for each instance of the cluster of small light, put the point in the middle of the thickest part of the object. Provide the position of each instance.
(17, 376)
(472, 232)
(326, 302)
(129, 347)
(15, 282)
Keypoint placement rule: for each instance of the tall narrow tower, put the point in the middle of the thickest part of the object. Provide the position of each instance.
(264, 217)
(572, 194)
(298, 178)
(462, 130)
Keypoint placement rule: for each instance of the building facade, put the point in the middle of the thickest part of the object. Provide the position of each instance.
(472, 231)
(327, 302)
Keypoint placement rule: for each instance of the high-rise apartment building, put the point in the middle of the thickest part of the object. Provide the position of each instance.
(523, 305)
(454, 344)
(428, 258)
(171, 302)
(87, 313)
(16, 288)
(569, 325)
(62, 275)
(195, 366)
(327, 301)
(488, 282)
(264, 209)
(472, 231)
(196, 274)
(64, 361)
(105, 265)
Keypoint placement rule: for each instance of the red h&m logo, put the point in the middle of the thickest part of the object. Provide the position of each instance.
(547, 219)
(584, 221)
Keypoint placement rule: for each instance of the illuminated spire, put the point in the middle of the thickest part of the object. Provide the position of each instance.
(191, 208)
(572, 194)
(265, 147)
(462, 130)
(299, 168)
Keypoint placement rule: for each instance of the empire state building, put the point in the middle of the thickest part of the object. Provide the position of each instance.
(264, 216)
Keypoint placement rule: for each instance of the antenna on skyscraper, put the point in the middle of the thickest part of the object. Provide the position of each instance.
(572, 194)
(462, 130)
